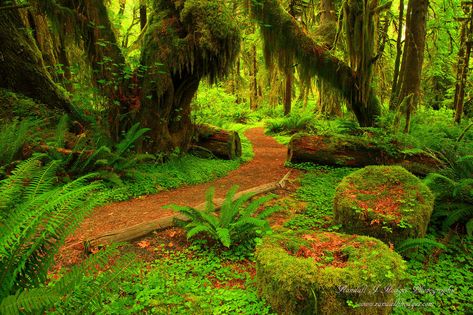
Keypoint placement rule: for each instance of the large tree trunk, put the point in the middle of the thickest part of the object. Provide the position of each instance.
(357, 152)
(413, 59)
(22, 67)
(176, 58)
(314, 59)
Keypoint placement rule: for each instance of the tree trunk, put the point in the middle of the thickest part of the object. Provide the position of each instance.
(288, 92)
(411, 68)
(221, 143)
(143, 14)
(253, 79)
(463, 64)
(285, 35)
(22, 67)
(397, 62)
(357, 152)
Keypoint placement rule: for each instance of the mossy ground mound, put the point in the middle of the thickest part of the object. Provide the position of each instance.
(327, 273)
(386, 202)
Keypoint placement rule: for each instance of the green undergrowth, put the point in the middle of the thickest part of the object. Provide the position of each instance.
(189, 281)
(317, 190)
(439, 284)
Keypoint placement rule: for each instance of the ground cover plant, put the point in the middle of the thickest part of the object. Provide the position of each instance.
(110, 110)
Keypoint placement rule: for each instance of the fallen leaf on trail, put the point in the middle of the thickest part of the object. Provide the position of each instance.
(143, 244)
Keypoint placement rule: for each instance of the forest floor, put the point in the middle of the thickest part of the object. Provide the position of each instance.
(267, 166)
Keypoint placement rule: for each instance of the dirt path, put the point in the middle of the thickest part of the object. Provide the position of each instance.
(266, 166)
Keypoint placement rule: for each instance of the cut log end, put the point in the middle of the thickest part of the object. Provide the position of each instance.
(220, 143)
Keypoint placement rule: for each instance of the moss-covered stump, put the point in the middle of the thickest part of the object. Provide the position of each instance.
(386, 202)
(327, 273)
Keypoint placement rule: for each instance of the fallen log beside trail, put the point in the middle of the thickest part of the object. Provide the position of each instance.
(142, 229)
(221, 143)
(358, 152)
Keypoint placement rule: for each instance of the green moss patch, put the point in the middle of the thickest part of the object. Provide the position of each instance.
(327, 273)
(386, 202)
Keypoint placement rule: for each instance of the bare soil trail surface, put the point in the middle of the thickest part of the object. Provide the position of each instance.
(266, 166)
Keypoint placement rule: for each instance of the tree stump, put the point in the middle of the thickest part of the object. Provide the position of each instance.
(386, 202)
(221, 143)
(338, 150)
(327, 273)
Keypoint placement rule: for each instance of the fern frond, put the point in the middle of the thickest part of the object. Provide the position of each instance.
(413, 243)
(255, 204)
(133, 134)
(268, 211)
(209, 199)
(461, 214)
(469, 227)
(199, 229)
(224, 236)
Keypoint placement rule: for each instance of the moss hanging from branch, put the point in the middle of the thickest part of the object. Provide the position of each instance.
(284, 37)
(185, 42)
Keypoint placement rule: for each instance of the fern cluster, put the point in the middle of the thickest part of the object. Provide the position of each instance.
(36, 215)
(454, 191)
(13, 136)
(237, 223)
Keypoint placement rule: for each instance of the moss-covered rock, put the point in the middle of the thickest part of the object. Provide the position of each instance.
(386, 202)
(327, 273)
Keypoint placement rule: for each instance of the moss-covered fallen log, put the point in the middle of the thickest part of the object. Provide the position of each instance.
(338, 150)
(218, 142)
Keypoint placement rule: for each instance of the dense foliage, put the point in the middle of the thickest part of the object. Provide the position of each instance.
(103, 101)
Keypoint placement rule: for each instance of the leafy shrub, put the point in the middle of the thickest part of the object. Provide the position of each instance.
(237, 222)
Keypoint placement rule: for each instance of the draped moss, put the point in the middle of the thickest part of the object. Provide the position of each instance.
(185, 42)
(285, 39)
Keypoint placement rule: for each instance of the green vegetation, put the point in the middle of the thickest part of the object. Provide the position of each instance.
(106, 101)
(386, 202)
(320, 272)
(235, 225)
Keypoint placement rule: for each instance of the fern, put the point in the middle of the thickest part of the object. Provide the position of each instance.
(237, 223)
(416, 243)
(13, 137)
(36, 300)
(38, 222)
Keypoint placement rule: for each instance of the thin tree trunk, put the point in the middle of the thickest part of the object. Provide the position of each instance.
(288, 93)
(143, 14)
(397, 62)
(121, 11)
(253, 78)
(463, 65)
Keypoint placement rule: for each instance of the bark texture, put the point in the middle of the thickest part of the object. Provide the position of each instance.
(22, 67)
(357, 152)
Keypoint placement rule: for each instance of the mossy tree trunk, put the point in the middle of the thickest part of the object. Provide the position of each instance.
(22, 67)
(413, 58)
(287, 37)
(176, 57)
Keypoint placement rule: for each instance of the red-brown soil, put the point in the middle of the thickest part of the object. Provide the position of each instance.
(266, 166)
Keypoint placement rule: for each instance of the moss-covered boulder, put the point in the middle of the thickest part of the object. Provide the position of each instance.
(327, 273)
(386, 202)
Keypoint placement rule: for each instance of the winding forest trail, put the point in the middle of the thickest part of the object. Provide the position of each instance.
(266, 166)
